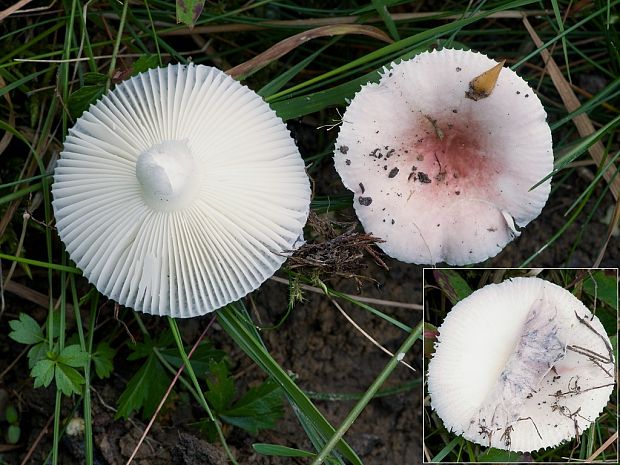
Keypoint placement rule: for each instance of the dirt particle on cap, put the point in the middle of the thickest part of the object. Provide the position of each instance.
(518, 92)
(362, 187)
(455, 111)
(365, 201)
(343, 149)
(423, 177)
(459, 69)
(420, 157)
(347, 162)
(393, 221)
(376, 153)
(393, 172)
(491, 229)
(385, 167)
(527, 95)
(390, 153)
(457, 192)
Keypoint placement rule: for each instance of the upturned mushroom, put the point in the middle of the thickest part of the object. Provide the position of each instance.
(179, 191)
(522, 365)
(441, 156)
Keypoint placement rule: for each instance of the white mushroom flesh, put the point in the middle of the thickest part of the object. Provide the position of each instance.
(521, 365)
(179, 192)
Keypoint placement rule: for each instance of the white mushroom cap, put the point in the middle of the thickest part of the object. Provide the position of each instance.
(179, 192)
(439, 176)
(513, 367)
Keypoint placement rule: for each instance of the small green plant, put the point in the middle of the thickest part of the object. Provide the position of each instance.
(259, 408)
(161, 358)
(11, 418)
(47, 362)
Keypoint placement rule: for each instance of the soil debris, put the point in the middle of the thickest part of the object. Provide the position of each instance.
(423, 177)
(338, 252)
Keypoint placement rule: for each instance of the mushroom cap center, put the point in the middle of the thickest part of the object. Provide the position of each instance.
(167, 173)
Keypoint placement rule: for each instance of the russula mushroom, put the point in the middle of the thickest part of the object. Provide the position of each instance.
(179, 191)
(441, 155)
(521, 365)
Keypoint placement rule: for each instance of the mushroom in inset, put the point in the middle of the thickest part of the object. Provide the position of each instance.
(521, 365)
(442, 155)
(179, 192)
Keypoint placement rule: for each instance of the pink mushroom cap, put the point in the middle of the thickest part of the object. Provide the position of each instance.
(438, 176)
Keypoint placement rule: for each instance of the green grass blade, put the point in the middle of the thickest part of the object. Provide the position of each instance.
(245, 337)
(203, 401)
(370, 393)
(381, 8)
(49, 266)
(577, 149)
(443, 453)
(21, 82)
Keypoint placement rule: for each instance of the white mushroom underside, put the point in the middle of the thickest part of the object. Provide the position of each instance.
(234, 200)
(506, 374)
(438, 176)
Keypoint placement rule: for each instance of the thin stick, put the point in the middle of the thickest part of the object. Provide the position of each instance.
(367, 300)
(37, 440)
(368, 395)
(582, 122)
(14, 362)
(366, 335)
(201, 397)
(168, 391)
(12, 9)
(605, 445)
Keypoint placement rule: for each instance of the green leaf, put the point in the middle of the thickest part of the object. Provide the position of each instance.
(188, 11)
(141, 349)
(43, 372)
(602, 286)
(10, 414)
(26, 330)
(497, 455)
(221, 387)
(93, 79)
(37, 352)
(68, 380)
(454, 287)
(144, 63)
(80, 100)
(144, 390)
(203, 356)
(13, 433)
(280, 451)
(238, 326)
(102, 358)
(260, 408)
(73, 356)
